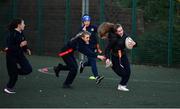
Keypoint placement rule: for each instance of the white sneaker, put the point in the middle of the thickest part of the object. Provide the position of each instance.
(9, 91)
(122, 88)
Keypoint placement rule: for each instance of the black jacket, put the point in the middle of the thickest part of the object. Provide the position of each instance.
(115, 43)
(13, 40)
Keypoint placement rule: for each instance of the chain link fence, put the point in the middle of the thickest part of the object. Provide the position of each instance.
(155, 25)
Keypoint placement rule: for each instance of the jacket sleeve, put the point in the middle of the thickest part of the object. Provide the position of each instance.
(24, 47)
(86, 51)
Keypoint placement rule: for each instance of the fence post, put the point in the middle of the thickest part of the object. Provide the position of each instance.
(133, 25)
(170, 31)
(102, 19)
(67, 21)
(14, 9)
(85, 7)
(39, 28)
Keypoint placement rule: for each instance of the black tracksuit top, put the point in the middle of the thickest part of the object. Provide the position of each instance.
(13, 40)
(115, 43)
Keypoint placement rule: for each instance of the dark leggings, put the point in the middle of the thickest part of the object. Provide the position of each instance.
(16, 65)
(124, 73)
(92, 62)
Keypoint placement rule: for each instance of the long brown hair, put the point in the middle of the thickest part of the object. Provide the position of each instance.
(104, 28)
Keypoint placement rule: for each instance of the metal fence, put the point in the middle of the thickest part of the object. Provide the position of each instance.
(50, 23)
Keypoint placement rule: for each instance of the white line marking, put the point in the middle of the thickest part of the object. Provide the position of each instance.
(107, 78)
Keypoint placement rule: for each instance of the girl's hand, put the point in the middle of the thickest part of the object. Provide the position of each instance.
(101, 57)
(29, 52)
(6, 49)
(84, 28)
(108, 63)
(99, 51)
(23, 43)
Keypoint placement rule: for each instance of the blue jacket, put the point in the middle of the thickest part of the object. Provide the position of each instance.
(93, 39)
(79, 45)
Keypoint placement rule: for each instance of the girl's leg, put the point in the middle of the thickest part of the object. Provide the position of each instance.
(12, 71)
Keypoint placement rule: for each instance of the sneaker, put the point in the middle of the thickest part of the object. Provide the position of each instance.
(98, 79)
(56, 71)
(81, 67)
(9, 91)
(92, 77)
(122, 88)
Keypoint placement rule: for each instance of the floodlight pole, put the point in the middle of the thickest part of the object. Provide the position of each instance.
(133, 25)
(39, 27)
(85, 10)
(14, 9)
(67, 21)
(85, 7)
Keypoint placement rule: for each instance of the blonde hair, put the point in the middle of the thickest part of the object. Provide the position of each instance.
(81, 34)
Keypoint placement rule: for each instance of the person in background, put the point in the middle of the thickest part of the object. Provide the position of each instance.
(16, 45)
(93, 46)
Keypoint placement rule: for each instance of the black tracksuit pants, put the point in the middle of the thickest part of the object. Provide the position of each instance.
(71, 66)
(124, 73)
(16, 65)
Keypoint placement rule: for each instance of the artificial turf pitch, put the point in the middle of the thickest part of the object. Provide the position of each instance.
(150, 87)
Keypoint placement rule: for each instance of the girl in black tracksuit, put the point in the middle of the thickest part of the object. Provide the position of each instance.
(80, 43)
(111, 52)
(16, 45)
(116, 42)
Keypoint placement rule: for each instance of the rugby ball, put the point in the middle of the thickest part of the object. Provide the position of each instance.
(129, 40)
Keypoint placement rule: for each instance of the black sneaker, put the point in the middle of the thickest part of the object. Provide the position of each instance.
(9, 91)
(98, 79)
(67, 86)
(81, 67)
(56, 71)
